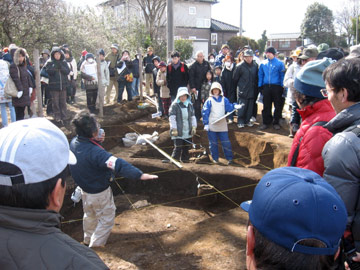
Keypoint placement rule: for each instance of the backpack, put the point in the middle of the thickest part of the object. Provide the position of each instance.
(182, 68)
(355, 130)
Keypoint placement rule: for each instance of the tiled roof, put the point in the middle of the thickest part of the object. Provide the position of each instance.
(114, 2)
(284, 36)
(218, 26)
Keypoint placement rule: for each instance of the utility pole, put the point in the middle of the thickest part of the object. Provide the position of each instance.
(38, 83)
(241, 17)
(170, 29)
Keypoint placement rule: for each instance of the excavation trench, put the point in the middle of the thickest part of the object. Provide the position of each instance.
(180, 225)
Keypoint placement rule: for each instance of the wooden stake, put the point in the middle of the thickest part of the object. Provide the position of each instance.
(101, 88)
(38, 83)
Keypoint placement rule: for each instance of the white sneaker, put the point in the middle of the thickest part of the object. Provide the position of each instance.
(240, 125)
(250, 124)
(253, 119)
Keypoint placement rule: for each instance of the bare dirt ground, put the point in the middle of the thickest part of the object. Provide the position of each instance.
(177, 228)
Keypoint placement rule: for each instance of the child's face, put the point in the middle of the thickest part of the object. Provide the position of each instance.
(163, 69)
(208, 76)
(218, 71)
(216, 92)
(183, 98)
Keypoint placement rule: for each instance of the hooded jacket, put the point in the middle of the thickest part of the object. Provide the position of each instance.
(175, 114)
(210, 109)
(58, 71)
(32, 239)
(341, 156)
(42, 59)
(313, 137)
(22, 82)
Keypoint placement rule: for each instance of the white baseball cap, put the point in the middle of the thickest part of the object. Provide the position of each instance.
(37, 147)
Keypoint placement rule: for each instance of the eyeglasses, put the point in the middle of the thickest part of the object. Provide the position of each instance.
(324, 92)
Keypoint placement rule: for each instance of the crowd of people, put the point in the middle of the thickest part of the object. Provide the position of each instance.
(304, 216)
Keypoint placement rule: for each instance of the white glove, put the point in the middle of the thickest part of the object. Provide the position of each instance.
(19, 94)
(30, 91)
(238, 106)
(71, 73)
(206, 127)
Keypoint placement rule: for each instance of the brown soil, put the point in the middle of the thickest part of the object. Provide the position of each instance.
(178, 229)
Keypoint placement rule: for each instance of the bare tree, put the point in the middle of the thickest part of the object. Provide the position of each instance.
(344, 18)
(153, 12)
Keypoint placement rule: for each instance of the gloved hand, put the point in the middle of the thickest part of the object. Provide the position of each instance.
(193, 131)
(174, 132)
(30, 91)
(19, 94)
(238, 106)
(206, 127)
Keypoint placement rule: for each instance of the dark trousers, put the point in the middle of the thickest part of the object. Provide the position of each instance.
(295, 116)
(128, 86)
(20, 113)
(272, 94)
(197, 106)
(181, 149)
(166, 102)
(246, 111)
(59, 104)
(91, 95)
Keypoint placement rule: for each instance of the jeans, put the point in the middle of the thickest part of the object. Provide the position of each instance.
(225, 143)
(135, 87)
(4, 113)
(295, 116)
(128, 86)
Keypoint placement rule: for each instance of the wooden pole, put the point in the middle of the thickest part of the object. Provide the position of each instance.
(141, 74)
(38, 83)
(101, 88)
(170, 28)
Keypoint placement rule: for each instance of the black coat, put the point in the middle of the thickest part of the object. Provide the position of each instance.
(156, 87)
(246, 79)
(228, 84)
(135, 68)
(58, 71)
(177, 77)
(197, 74)
(22, 83)
(148, 63)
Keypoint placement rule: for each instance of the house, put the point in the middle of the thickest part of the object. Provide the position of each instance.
(192, 20)
(220, 34)
(285, 42)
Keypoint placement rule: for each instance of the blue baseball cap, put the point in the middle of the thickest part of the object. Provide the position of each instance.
(292, 204)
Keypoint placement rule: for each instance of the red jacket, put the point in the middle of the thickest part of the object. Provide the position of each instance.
(313, 138)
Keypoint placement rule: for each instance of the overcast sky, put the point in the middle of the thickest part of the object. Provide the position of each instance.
(276, 16)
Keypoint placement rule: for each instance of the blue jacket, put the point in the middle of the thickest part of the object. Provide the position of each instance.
(91, 172)
(207, 107)
(271, 72)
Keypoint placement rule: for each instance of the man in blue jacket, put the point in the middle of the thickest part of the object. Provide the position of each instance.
(271, 78)
(92, 173)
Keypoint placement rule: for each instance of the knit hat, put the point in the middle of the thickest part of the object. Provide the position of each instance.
(333, 53)
(309, 53)
(37, 147)
(248, 53)
(270, 50)
(114, 46)
(309, 79)
(293, 204)
(101, 51)
(162, 64)
(89, 55)
(84, 52)
(354, 52)
(322, 47)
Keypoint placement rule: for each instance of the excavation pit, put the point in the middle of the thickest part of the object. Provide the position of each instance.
(180, 226)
